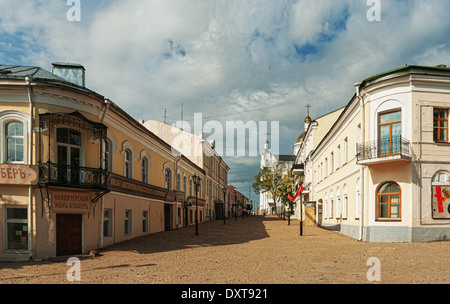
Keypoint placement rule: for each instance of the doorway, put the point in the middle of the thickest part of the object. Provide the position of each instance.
(69, 234)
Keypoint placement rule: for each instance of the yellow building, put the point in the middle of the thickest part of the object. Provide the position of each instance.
(77, 173)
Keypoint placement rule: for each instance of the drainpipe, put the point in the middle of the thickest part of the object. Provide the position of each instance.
(30, 162)
(102, 206)
(107, 103)
(361, 169)
(177, 224)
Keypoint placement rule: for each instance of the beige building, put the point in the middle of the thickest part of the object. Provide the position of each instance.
(77, 172)
(382, 171)
(306, 143)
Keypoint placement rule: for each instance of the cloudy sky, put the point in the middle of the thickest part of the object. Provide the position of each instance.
(230, 60)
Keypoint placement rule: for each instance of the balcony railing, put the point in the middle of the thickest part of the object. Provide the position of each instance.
(390, 148)
(72, 176)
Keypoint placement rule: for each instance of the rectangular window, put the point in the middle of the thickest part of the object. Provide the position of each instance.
(17, 228)
(440, 125)
(107, 223)
(345, 150)
(331, 162)
(338, 157)
(127, 222)
(390, 132)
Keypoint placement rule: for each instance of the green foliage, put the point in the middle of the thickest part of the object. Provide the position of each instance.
(277, 181)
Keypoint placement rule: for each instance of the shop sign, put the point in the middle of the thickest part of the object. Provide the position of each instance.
(74, 202)
(441, 202)
(126, 185)
(17, 174)
(171, 196)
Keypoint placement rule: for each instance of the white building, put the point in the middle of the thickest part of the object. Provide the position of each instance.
(306, 143)
(382, 171)
(266, 203)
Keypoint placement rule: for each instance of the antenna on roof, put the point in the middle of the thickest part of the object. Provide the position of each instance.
(165, 116)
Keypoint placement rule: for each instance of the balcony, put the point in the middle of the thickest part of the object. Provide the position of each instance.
(52, 174)
(298, 169)
(383, 150)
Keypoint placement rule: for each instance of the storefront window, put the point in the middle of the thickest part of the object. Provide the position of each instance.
(17, 228)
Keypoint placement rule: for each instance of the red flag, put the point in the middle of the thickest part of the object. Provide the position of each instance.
(300, 190)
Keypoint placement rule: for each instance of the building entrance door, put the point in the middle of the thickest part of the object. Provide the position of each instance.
(69, 234)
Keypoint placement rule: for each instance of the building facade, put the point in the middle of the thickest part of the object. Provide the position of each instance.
(203, 153)
(382, 171)
(78, 172)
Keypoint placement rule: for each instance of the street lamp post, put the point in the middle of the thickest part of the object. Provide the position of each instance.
(196, 180)
(235, 205)
(224, 190)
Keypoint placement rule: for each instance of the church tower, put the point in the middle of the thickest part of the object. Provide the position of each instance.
(307, 119)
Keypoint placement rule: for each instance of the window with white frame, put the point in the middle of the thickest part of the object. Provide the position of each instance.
(128, 164)
(108, 156)
(178, 185)
(338, 156)
(144, 168)
(13, 131)
(345, 150)
(338, 203)
(14, 140)
(16, 228)
(344, 202)
(168, 179)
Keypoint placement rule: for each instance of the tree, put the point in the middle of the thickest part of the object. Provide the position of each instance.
(286, 187)
(277, 181)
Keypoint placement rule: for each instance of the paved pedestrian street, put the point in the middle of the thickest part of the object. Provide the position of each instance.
(254, 250)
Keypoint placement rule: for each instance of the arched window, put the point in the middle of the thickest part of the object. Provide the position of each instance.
(13, 136)
(127, 165)
(440, 184)
(108, 155)
(168, 179)
(145, 170)
(190, 187)
(389, 201)
(178, 182)
(331, 205)
(184, 185)
(14, 142)
(344, 202)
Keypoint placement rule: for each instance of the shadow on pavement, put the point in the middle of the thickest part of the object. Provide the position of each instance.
(214, 233)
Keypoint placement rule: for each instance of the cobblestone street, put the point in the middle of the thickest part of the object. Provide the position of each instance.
(254, 250)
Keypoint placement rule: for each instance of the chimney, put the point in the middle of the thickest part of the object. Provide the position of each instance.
(72, 72)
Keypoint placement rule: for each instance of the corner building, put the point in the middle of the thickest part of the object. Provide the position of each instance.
(77, 173)
(382, 171)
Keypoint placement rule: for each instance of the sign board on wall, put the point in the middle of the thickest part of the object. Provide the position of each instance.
(70, 202)
(17, 174)
(126, 185)
(441, 202)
